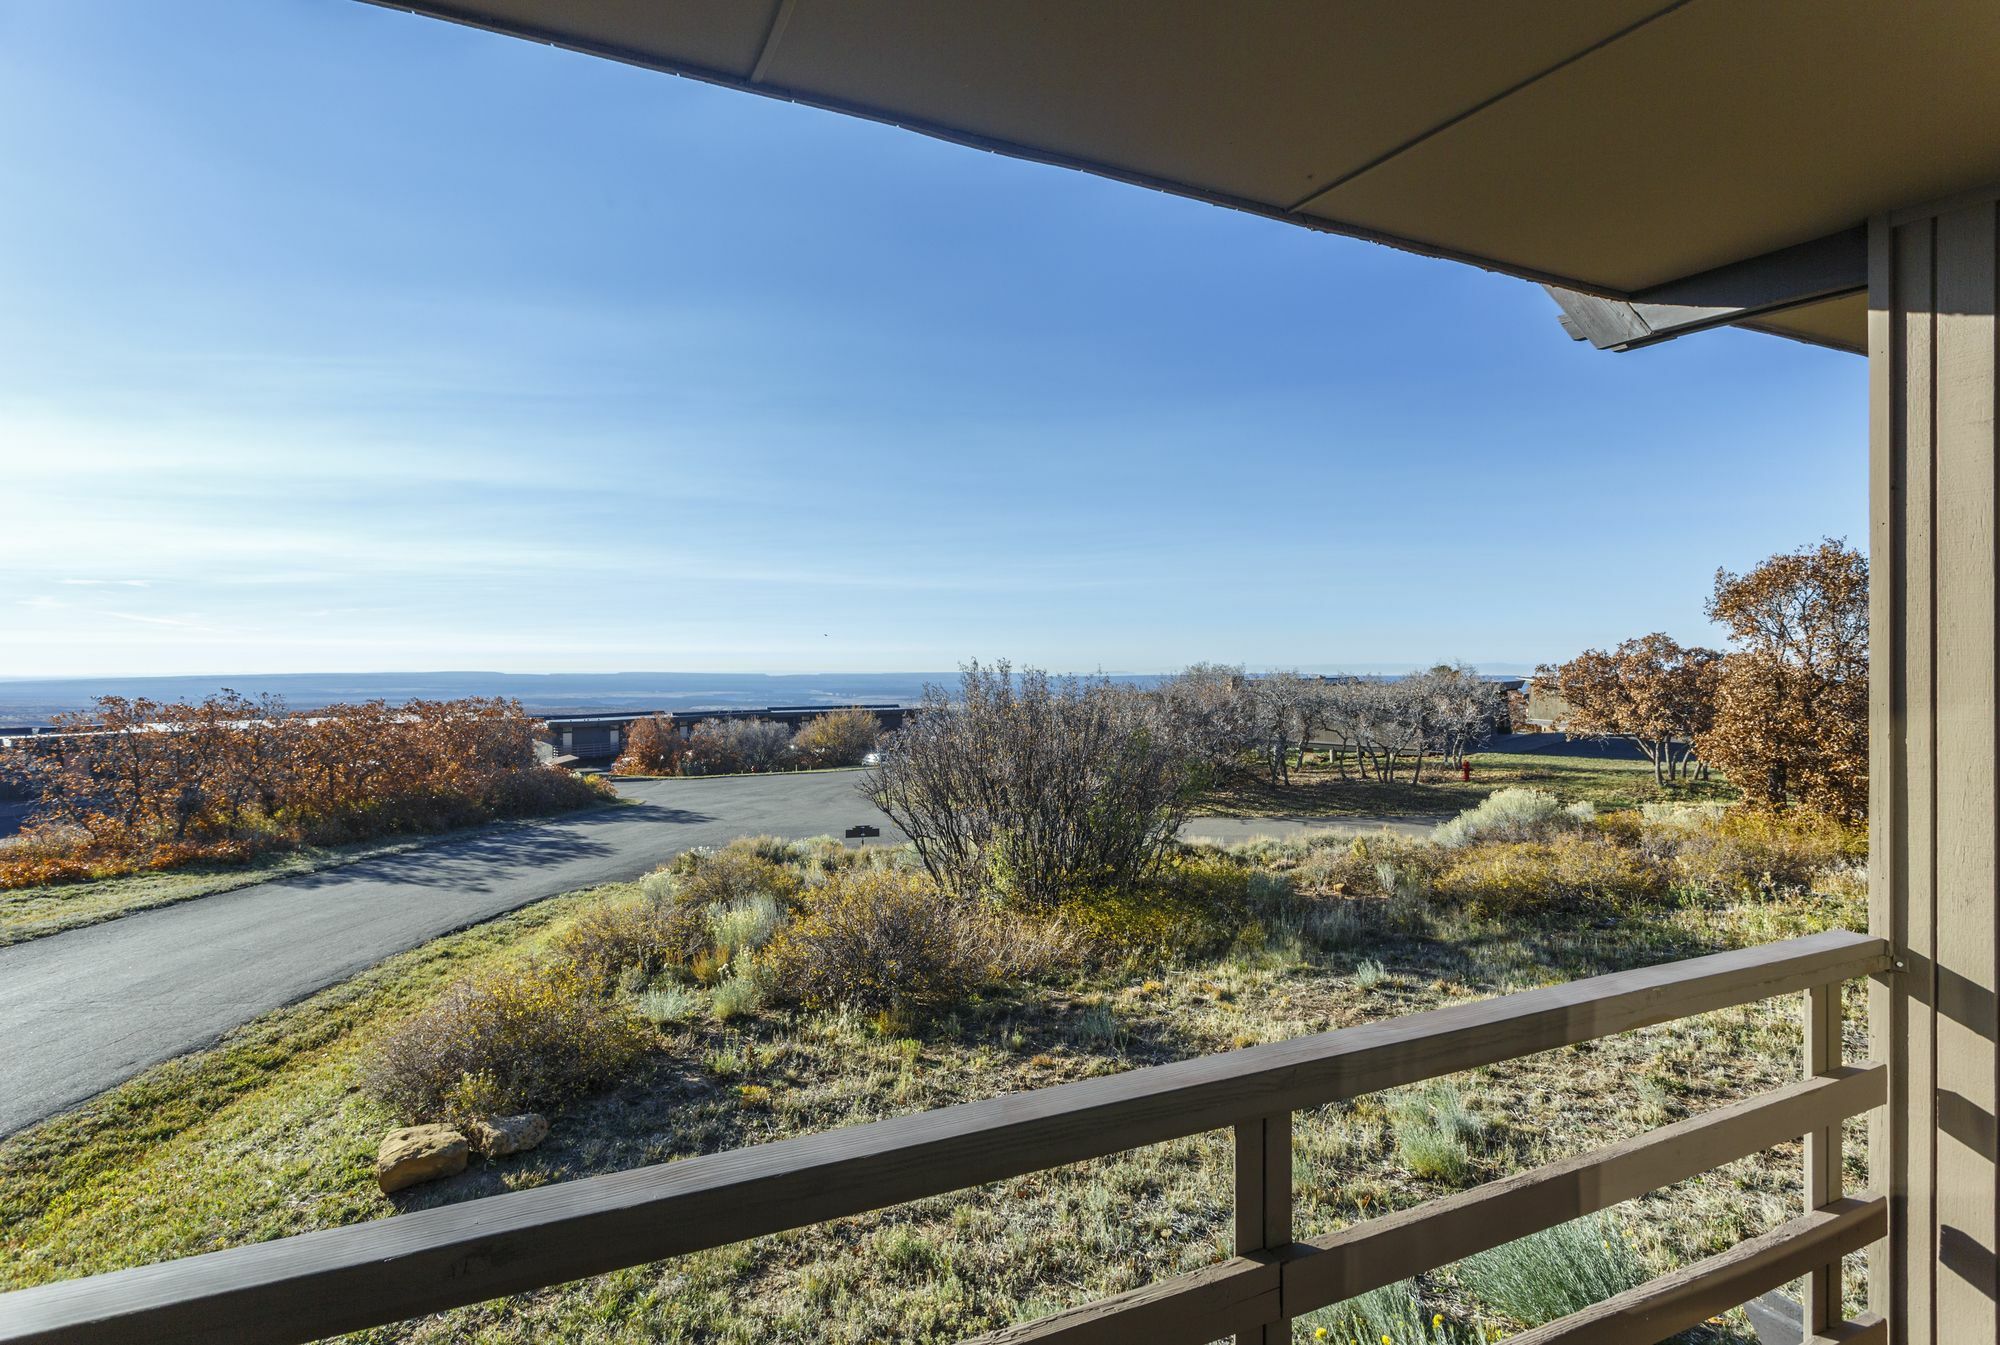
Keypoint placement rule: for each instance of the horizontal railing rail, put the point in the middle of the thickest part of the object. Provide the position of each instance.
(322, 1283)
(1331, 1269)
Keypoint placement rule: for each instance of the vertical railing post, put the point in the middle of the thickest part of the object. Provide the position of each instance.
(1264, 1203)
(1823, 1151)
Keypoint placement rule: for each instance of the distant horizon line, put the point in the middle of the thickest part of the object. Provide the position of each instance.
(1503, 667)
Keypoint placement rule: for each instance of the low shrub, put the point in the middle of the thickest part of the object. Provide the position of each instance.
(1747, 854)
(1436, 1133)
(510, 1041)
(1513, 814)
(1516, 879)
(535, 793)
(1395, 1314)
(1332, 871)
(1193, 906)
(1334, 924)
(55, 854)
(840, 738)
(668, 1004)
(1556, 1272)
(738, 872)
(726, 746)
(888, 942)
(740, 994)
(644, 936)
(1691, 816)
(744, 926)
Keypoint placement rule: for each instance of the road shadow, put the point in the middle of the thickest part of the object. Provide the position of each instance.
(653, 812)
(467, 863)
(1561, 745)
(473, 861)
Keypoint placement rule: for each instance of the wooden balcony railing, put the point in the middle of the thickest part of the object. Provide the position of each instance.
(318, 1284)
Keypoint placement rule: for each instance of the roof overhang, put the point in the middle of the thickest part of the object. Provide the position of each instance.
(1626, 150)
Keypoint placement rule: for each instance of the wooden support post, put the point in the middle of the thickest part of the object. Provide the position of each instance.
(1823, 1150)
(1264, 1203)
(1934, 735)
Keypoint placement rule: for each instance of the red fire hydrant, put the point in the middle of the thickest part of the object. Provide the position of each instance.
(1465, 768)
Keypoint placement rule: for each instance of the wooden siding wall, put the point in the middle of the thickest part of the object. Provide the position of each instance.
(1935, 754)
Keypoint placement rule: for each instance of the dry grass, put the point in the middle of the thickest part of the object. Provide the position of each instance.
(270, 1133)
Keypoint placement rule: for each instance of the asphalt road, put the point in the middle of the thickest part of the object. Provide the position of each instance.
(87, 1009)
(1230, 830)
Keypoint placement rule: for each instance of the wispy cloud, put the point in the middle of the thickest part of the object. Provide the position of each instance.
(144, 620)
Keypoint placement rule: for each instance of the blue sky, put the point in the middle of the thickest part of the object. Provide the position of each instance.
(336, 339)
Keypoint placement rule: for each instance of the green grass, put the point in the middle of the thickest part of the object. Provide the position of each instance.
(1317, 790)
(33, 912)
(269, 1134)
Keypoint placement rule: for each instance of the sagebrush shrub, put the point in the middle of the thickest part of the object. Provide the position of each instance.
(743, 926)
(740, 994)
(738, 872)
(1556, 1272)
(887, 942)
(522, 1039)
(1513, 814)
(669, 1003)
(1436, 1133)
(609, 938)
(1395, 1314)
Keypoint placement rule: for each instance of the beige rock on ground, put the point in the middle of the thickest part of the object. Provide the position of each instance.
(419, 1154)
(498, 1136)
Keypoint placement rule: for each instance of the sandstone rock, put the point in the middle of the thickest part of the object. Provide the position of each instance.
(498, 1136)
(419, 1154)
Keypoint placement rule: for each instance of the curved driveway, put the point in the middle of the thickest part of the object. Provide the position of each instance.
(87, 1009)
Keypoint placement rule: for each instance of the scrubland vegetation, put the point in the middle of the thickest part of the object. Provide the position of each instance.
(1046, 923)
(772, 988)
(135, 785)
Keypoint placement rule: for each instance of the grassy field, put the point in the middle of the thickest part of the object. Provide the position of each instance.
(270, 1134)
(32, 912)
(1317, 790)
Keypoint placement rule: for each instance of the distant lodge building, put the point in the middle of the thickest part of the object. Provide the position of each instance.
(587, 739)
(596, 738)
(1546, 711)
